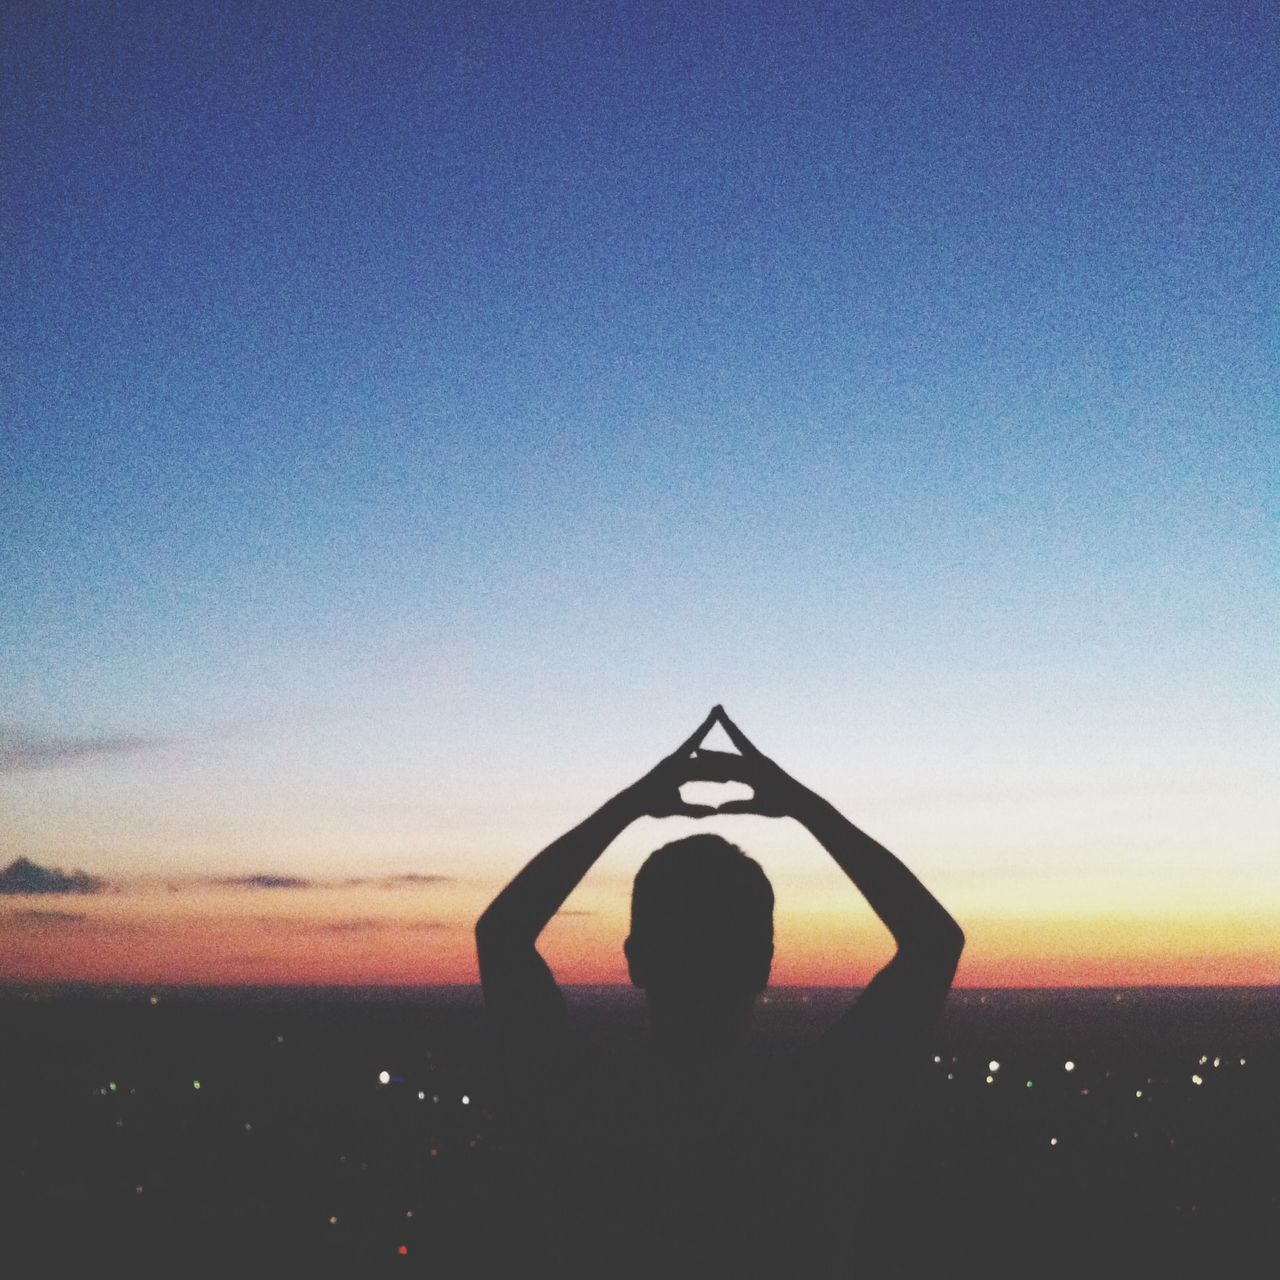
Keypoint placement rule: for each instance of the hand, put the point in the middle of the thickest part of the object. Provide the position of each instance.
(777, 793)
(657, 794)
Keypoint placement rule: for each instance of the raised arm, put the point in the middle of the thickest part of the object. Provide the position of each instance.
(904, 999)
(520, 994)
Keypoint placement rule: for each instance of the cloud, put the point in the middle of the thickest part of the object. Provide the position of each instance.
(407, 880)
(22, 749)
(36, 919)
(47, 919)
(369, 926)
(270, 880)
(354, 925)
(24, 876)
(263, 881)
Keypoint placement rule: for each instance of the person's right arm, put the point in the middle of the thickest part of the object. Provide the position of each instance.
(520, 993)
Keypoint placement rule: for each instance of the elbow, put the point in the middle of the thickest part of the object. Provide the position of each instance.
(495, 931)
(951, 942)
(940, 945)
(488, 931)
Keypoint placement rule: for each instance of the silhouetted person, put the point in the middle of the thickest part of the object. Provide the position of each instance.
(696, 1158)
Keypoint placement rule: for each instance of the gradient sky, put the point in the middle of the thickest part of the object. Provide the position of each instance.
(415, 416)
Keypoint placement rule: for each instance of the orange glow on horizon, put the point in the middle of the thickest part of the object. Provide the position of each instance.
(192, 943)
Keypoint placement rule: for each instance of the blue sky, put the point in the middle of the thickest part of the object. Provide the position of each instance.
(445, 404)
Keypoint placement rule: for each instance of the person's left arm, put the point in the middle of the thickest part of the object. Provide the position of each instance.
(896, 1013)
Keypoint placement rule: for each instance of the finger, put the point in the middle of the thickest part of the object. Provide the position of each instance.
(697, 736)
(718, 766)
(691, 810)
(736, 736)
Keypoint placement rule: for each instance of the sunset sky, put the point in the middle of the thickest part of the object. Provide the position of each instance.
(416, 416)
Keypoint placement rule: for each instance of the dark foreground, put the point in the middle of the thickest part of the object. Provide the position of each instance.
(356, 1135)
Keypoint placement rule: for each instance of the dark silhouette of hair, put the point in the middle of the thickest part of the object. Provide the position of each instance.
(701, 919)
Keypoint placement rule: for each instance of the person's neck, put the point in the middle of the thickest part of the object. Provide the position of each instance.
(688, 1031)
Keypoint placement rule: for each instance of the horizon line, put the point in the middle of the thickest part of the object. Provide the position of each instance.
(78, 985)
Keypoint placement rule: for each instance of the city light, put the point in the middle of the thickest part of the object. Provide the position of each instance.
(476, 1136)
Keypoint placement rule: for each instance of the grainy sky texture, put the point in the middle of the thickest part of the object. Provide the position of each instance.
(417, 415)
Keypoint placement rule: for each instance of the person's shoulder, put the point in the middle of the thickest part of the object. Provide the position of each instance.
(535, 1068)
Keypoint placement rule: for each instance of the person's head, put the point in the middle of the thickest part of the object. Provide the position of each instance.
(701, 924)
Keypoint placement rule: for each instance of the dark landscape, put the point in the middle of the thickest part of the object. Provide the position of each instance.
(344, 1132)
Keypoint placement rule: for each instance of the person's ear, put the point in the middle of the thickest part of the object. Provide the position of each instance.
(635, 967)
(763, 968)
